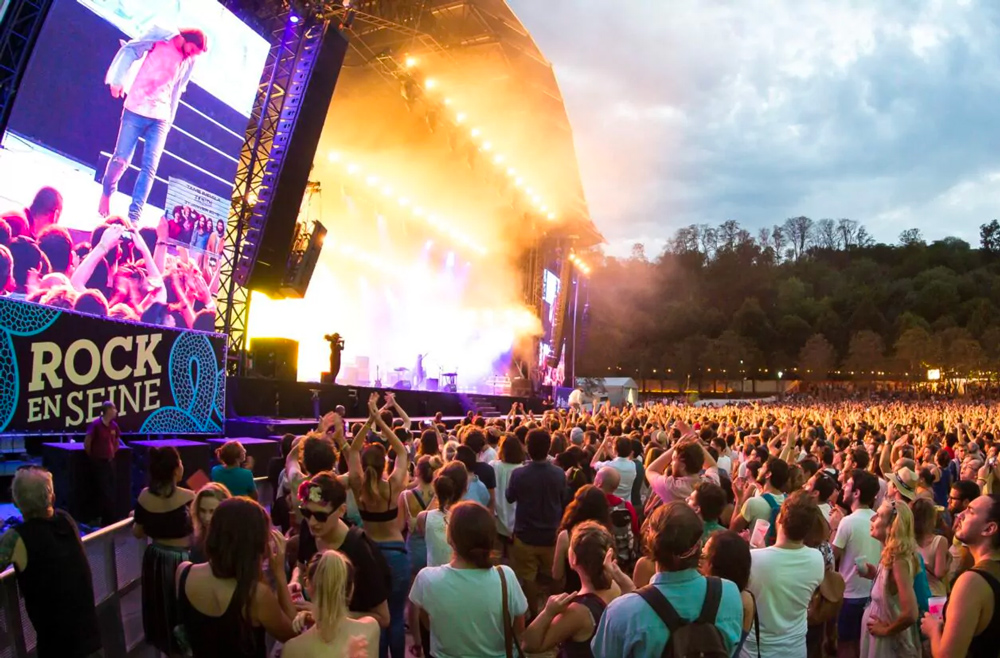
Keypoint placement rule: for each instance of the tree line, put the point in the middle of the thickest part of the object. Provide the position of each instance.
(810, 299)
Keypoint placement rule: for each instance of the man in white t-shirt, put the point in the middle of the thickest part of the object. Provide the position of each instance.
(854, 540)
(773, 476)
(783, 578)
(622, 463)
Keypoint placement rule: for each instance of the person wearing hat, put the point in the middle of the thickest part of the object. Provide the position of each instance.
(576, 436)
(903, 484)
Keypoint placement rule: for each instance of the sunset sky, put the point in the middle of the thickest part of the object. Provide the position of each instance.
(698, 112)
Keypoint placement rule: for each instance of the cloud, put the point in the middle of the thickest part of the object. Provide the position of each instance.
(761, 110)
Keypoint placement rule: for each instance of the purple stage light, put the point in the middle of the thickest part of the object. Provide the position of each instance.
(294, 19)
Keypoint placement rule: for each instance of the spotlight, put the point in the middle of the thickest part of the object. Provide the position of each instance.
(487, 146)
(334, 156)
(498, 159)
(552, 216)
(293, 19)
(460, 117)
(411, 62)
(430, 83)
(476, 132)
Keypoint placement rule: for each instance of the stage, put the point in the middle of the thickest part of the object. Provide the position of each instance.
(253, 403)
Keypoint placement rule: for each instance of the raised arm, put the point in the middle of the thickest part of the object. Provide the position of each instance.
(112, 234)
(400, 467)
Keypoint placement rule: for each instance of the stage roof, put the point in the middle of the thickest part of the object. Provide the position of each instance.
(486, 64)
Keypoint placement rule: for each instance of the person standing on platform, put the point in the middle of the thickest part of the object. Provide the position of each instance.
(150, 73)
(101, 444)
(53, 574)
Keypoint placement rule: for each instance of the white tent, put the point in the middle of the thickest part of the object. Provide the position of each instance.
(617, 390)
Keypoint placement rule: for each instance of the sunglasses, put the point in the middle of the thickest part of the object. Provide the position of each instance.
(321, 517)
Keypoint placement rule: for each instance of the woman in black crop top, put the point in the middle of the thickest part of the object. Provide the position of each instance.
(377, 497)
(569, 621)
(162, 513)
(225, 607)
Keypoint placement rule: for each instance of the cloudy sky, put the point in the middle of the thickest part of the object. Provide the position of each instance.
(691, 111)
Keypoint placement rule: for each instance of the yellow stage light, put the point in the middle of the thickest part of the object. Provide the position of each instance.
(447, 101)
(487, 146)
(411, 62)
(460, 117)
(403, 201)
(353, 169)
(511, 171)
(476, 132)
(498, 159)
(552, 216)
(372, 180)
(334, 156)
(430, 83)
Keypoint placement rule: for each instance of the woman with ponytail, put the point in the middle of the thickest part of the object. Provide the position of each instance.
(377, 497)
(570, 620)
(463, 600)
(334, 634)
(449, 487)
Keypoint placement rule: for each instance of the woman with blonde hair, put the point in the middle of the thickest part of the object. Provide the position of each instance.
(203, 507)
(330, 583)
(889, 626)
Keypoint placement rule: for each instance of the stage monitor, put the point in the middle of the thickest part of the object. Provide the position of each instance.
(117, 167)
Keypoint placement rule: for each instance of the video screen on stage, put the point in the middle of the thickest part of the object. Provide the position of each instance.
(117, 166)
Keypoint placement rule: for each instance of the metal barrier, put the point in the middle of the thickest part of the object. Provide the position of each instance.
(115, 558)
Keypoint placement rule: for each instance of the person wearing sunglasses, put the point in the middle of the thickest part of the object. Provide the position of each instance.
(322, 503)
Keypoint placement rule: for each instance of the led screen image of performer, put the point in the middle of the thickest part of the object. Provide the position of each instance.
(150, 73)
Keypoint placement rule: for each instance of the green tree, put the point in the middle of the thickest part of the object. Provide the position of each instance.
(916, 349)
(816, 358)
(865, 355)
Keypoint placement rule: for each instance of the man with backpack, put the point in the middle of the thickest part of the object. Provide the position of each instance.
(765, 507)
(681, 613)
(624, 520)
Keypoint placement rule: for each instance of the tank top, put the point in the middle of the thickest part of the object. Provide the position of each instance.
(57, 589)
(218, 637)
(435, 531)
(985, 644)
(573, 649)
(175, 524)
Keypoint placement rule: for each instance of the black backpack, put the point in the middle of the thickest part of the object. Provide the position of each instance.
(699, 638)
(626, 546)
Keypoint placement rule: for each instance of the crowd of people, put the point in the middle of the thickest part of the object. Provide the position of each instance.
(780, 530)
(150, 274)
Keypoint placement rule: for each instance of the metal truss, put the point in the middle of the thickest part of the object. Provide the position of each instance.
(18, 34)
(289, 64)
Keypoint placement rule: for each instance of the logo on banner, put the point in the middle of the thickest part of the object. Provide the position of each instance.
(54, 379)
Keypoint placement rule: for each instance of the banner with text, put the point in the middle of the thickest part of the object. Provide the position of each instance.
(57, 367)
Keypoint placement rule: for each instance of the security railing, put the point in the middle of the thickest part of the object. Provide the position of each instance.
(115, 558)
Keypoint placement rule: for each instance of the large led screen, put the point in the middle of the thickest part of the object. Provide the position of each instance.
(118, 162)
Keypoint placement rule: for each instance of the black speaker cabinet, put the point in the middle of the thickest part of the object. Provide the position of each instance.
(275, 358)
(73, 480)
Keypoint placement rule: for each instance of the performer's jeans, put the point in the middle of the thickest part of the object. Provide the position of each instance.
(154, 133)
